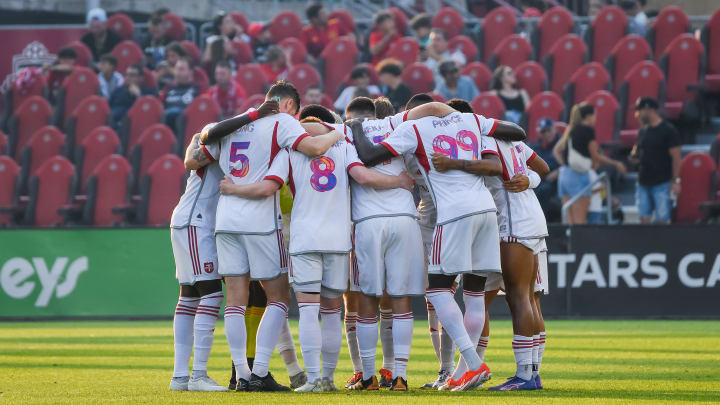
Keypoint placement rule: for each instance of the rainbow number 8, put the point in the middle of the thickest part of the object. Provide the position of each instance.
(448, 146)
(323, 178)
(243, 159)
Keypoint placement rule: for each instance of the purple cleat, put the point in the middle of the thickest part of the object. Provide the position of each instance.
(515, 384)
(538, 382)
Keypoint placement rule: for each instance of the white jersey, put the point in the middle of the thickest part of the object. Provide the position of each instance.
(246, 156)
(198, 203)
(456, 194)
(519, 214)
(426, 207)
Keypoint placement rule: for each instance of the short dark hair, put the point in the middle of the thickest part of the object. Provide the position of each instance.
(138, 67)
(157, 15)
(217, 22)
(586, 110)
(422, 20)
(284, 89)
(67, 53)
(460, 105)
(361, 105)
(418, 99)
(390, 67)
(224, 64)
(447, 66)
(646, 102)
(358, 72)
(383, 108)
(109, 59)
(176, 47)
(382, 16)
(313, 10)
(317, 111)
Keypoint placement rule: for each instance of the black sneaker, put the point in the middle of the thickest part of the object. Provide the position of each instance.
(233, 383)
(265, 384)
(242, 385)
(399, 384)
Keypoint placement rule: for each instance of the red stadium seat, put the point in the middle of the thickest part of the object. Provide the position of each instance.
(606, 30)
(253, 101)
(554, 24)
(449, 20)
(327, 102)
(156, 140)
(683, 65)
(285, 24)
(630, 51)
(480, 74)
(297, 50)
(106, 188)
(174, 26)
(532, 77)
(465, 45)
(401, 21)
(84, 56)
(498, 24)
(244, 53)
(696, 173)
(192, 51)
(419, 78)
(405, 50)
(607, 112)
(543, 105)
(81, 83)
(511, 51)
(91, 113)
(303, 76)
(251, 78)
(32, 115)
(122, 24)
(201, 79)
(335, 63)
(438, 98)
(563, 59)
(670, 23)
(160, 190)
(586, 80)
(199, 113)
(9, 183)
(43, 145)
(645, 79)
(345, 19)
(98, 144)
(710, 37)
(488, 105)
(51, 187)
(3, 143)
(146, 111)
(34, 86)
(127, 53)
(240, 19)
(148, 80)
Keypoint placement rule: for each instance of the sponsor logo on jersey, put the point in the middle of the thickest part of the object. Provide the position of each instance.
(58, 280)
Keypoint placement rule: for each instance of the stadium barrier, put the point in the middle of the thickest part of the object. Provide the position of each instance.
(594, 271)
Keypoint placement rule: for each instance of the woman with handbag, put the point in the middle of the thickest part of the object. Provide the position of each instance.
(578, 152)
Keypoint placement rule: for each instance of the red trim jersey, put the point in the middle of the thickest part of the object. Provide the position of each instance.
(456, 194)
(198, 203)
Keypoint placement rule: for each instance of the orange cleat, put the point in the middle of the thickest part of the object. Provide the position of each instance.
(371, 384)
(353, 379)
(386, 378)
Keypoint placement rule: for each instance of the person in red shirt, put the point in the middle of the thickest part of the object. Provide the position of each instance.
(383, 36)
(276, 64)
(60, 70)
(227, 92)
(321, 30)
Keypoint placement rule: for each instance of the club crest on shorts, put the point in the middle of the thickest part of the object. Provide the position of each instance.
(209, 267)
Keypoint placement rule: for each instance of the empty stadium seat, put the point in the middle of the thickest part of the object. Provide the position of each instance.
(710, 37)
(106, 188)
(192, 51)
(285, 24)
(51, 187)
(146, 111)
(251, 78)
(543, 105)
(480, 74)
(696, 173)
(296, 49)
(201, 79)
(45, 144)
(4, 144)
(9, 183)
(174, 26)
(449, 20)
(532, 77)
(156, 140)
(511, 51)
(465, 45)
(553, 25)
(607, 111)
(199, 113)
(91, 113)
(243, 52)
(253, 101)
(84, 56)
(645, 79)
(98, 144)
(303, 76)
(32, 115)
(419, 78)
(670, 23)
(498, 24)
(564, 58)
(405, 50)
(15, 95)
(81, 83)
(345, 19)
(683, 64)
(240, 19)
(489, 105)
(122, 24)
(627, 53)
(335, 63)
(160, 190)
(127, 53)
(586, 80)
(605, 31)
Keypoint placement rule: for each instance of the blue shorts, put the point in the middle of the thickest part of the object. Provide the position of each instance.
(570, 182)
(596, 218)
(654, 199)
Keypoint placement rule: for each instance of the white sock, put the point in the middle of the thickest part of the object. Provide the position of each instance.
(541, 349)
(447, 351)
(331, 340)
(386, 338)
(522, 347)
(310, 338)
(270, 327)
(534, 356)
(204, 328)
(482, 346)
(183, 334)
(402, 340)
(286, 347)
(474, 319)
(237, 339)
(352, 342)
(367, 335)
(452, 319)
(434, 325)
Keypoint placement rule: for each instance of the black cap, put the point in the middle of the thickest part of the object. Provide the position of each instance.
(646, 102)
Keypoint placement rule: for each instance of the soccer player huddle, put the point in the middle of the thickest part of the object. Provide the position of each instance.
(385, 207)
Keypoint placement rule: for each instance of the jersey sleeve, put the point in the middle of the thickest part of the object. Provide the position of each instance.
(486, 126)
(351, 157)
(488, 146)
(280, 168)
(397, 119)
(212, 151)
(290, 132)
(529, 154)
(402, 140)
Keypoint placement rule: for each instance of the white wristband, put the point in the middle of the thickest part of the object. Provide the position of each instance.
(534, 179)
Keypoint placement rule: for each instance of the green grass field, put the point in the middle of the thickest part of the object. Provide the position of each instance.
(585, 361)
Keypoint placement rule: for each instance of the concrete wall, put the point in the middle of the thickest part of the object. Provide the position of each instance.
(691, 7)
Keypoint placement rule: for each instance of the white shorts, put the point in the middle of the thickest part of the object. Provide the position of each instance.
(389, 257)
(195, 254)
(539, 248)
(324, 273)
(263, 257)
(468, 245)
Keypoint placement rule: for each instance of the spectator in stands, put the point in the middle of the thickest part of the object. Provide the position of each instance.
(154, 43)
(438, 51)
(99, 39)
(227, 92)
(174, 52)
(178, 95)
(123, 97)
(63, 66)
(453, 85)
(321, 30)
(657, 150)
(313, 95)
(383, 36)
(360, 77)
(224, 26)
(632, 10)
(390, 75)
(276, 63)
(109, 78)
(504, 85)
(422, 25)
(219, 51)
(640, 16)
(547, 190)
(578, 152)
(163, 74)
(261, 40)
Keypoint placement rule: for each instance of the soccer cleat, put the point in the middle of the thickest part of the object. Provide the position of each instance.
(298, 380)
(538, 382)
(179, 383)
(242, 385)
(265, 384)
(473, 379)
(443, 376)
(385, 378)
(515, 384)
(327, 385)
(371, 384)
(399, 384)
(204, 383)
(315, 386)
(449, 385)
(353, 380)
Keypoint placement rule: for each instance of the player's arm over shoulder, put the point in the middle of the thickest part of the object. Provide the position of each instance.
(196, 155)
(321, 138)
(252, 191)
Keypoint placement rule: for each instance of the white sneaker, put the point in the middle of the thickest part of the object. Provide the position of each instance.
(179, 383)
(327, 385)
(315, 386)
(204, 383)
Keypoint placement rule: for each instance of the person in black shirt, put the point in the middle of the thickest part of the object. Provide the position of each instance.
(178, 95)
(547, 190)
(515, 100)
(122, 98)
(393, 87)
(99, 39)
(657, 150)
